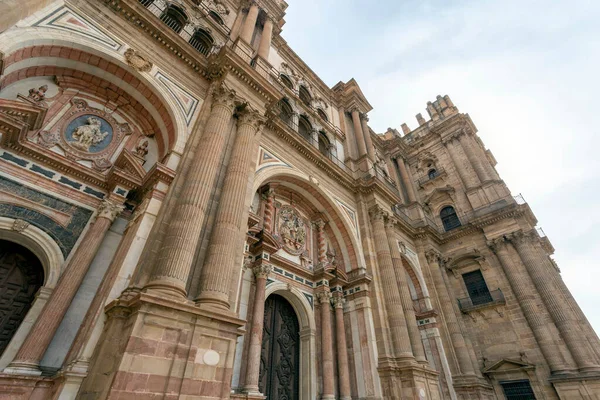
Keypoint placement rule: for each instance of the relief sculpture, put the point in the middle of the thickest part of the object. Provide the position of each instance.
(292, 230)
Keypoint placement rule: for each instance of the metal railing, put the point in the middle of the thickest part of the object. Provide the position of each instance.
(173, 23)
(494, 297)
(380, 174)
(200, 45)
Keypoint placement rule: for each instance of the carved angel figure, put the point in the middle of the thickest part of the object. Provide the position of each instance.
(89, 134)
(142, 149)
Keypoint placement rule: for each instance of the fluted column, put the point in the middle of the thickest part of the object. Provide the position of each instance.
(250, 23)
(366, 133)
(462, 164)
(177, 251)
(216, 272)
(269, 196)
(456, 335)
(342, 350)
(358, 133)
(476, 162)
(261, 273)
(33, 348)
(559, 310)
(265, 40)
(324, 298)
(391, 295)
(405, 297)
(405, 175)
(525, 293)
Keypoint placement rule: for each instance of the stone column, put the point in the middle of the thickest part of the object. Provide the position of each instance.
(250, 23)
(321, 243)
(269, 196)
(452, 324)
(461, 163)
(476, 162)
(550, 293)
(525, 293)
(405, 175)
(367, 134)
(220, 259)
(265, 40)
(324, 298)
(178, 248)
(391, 295)
(32, 350)
(358, 133)
(342, 350)
(261, 273)
(407, 304)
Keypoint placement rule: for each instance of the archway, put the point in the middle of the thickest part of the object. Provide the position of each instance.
(21, 276)
(280, 357)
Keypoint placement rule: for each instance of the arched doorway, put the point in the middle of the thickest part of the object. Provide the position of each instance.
(279, 377)
(21, 276)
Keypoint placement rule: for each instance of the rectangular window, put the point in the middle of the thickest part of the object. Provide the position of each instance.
(518, 390)
(476, 287)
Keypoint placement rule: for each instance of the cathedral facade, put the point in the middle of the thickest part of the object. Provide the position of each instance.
(187, 211)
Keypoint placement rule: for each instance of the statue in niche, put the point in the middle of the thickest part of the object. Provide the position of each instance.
(38, 95)
(141, 150)
(292, 230)
(88, 134)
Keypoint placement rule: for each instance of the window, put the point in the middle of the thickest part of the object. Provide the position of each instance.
(286, 112)
(202, 41)
(322, 115)
(477, 288)
(305, 95)
(146, 3)
(216, 17)
(432, 173)
(518, 390)
(324, 144)
(175, 18)
(449, 218)
(305, 128)
(286, 81)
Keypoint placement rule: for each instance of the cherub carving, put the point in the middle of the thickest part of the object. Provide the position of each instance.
(89, 134)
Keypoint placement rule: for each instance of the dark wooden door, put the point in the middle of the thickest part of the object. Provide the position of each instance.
(279, 360)
(21, 275)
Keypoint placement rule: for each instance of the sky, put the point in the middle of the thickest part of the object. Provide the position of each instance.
(526, 71)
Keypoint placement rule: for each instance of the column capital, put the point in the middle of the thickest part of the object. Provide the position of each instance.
(497, 244)
(224, 96)
(324, 296)
(338, 301)
(364, 117)
(319, 223)
(520, 237)
(390, 224)
(249, 116)
(433, 256)
(378, 213)
(109, 210)
(262, 271)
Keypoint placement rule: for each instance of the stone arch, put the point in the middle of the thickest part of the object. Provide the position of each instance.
(74, 52)
(51, 258)
(415, 275)
(342, 225)
(308, 353)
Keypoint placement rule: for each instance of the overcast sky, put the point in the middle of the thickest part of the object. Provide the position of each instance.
(527, 72)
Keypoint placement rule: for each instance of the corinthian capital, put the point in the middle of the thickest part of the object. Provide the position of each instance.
(324, 296)
(497, 243)
(109, 210)
(262, 271)
(338, 301)
(224, 96)
(377, 213)
(433, 256)
(248, 116)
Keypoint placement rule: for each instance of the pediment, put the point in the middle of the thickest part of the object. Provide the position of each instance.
(506, 365)
(439, 193)
(130, 164)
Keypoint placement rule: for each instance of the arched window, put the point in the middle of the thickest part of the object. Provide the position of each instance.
(286, 81)
(305, 95)
(449, 218)
(324, 144)
(432, 173)
(286, 112)
(202, 41)
(322, 114)
(174, 17)
(216, 17)
(146, 3)
(305, 128)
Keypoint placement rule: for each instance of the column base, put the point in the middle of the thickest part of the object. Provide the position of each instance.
(419, 382)
(163, 347)
(328, 397)
(23, 368)
(472, 387)
(248, 396)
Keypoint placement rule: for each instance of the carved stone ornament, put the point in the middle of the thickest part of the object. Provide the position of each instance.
(338, 301)
(138, 62)
(224, 97)
(141, 150)
(48, 139)
(250, 117)
(292, 231)
(262, 271)
(38, 95)
(19, 225)
(324, 297)
(88, 134)
(109, 210)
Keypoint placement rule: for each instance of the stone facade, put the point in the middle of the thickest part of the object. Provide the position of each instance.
(184, 178)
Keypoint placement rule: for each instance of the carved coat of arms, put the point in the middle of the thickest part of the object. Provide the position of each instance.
(292, 230)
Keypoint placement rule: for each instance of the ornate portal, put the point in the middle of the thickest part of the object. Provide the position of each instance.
(292, 230)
